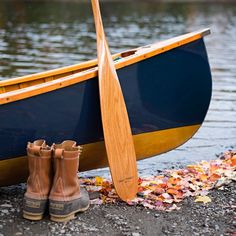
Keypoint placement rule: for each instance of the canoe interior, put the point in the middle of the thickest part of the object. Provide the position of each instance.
(167, 97)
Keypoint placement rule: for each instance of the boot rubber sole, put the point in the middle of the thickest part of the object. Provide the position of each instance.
(30, 216)
(64, 218)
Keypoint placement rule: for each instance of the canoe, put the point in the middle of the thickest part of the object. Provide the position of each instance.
(167, 90)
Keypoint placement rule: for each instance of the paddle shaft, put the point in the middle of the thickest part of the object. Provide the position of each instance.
(116, 127)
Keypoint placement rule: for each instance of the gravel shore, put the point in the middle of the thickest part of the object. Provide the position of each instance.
(215, 218)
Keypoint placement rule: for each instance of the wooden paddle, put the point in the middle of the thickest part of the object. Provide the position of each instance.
(116, 127)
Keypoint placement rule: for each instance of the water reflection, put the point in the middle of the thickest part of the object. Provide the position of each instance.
(35, 36)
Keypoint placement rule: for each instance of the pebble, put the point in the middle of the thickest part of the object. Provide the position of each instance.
(18, 234)
(12, 210)
(217, 227)
(5, 211)
(135, 234)
(174, 225)
(6, 205)
(92, 229)
(53, 229)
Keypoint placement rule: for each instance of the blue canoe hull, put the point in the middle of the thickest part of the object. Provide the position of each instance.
(169, 91)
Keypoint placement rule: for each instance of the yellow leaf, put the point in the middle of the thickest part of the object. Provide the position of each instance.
(204, 199)
(203, 177)
(98, 181)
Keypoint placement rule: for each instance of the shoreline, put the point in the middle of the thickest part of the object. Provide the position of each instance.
(185, 215)
(214, 218)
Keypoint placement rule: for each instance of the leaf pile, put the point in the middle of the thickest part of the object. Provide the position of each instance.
(162, 192)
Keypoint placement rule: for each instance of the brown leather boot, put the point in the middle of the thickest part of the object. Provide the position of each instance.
(66, 197)
(39, 180)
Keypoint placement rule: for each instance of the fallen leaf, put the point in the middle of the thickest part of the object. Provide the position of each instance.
(98, 181)
(173, 207)
(148, 205)
(204, 199)
(96, 201)
(214, 177)
(233, 161)
(163, 191)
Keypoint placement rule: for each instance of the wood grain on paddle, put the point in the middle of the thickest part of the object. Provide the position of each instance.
(116, 127)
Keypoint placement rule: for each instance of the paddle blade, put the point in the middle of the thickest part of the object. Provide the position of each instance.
(116, 127)
(117, 133)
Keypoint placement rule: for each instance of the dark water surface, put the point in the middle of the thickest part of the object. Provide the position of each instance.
(35, 36)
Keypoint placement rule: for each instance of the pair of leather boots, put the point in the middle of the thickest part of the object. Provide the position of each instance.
(53, 179)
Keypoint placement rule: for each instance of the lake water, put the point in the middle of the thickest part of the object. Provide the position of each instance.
(36, 36)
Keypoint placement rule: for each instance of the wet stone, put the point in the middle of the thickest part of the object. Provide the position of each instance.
(174, 225)
(18, 233)
(6, 205)
(196, 233)
(135, 234)
(53, 229)
(5, 211)
(217, 227)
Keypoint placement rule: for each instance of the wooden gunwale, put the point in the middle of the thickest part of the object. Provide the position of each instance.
(141, 54)
(53, 73)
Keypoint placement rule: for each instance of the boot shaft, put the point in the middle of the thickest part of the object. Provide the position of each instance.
(40, 170)
(66, 185)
